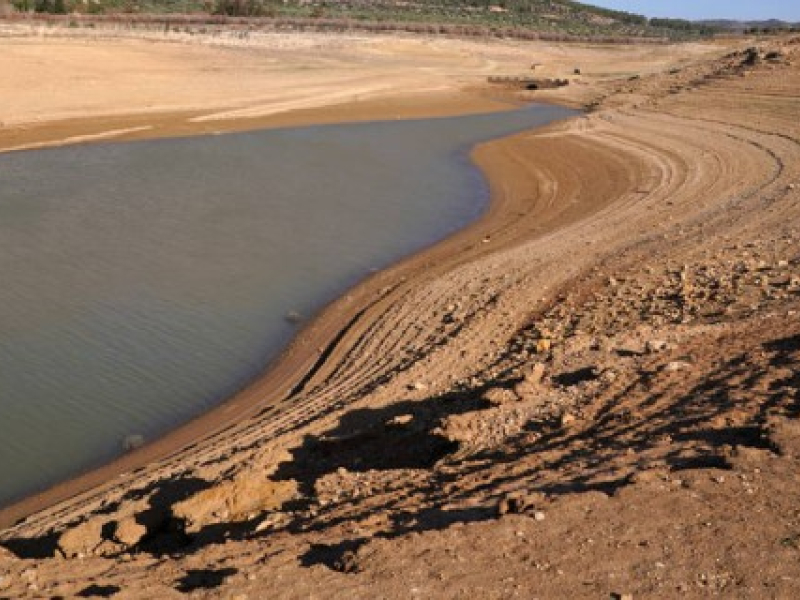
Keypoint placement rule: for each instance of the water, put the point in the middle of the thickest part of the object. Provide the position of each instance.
(144, 282)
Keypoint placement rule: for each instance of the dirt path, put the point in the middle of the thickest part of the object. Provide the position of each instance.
(591, 391)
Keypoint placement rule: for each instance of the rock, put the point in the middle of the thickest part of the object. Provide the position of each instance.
(531, 383)
(538, 515)
(108, 548)
(132, 442)
(129, 531)
(752, 56)
(676, 365)
(608, 376)
(269, 522)
(654, 346)
(535, 375)
(400, 421)
(567, 419)
(543, 345)
(498, 396)
(511, 505)
(518, 503)
(620, 596)
(233, 501)
(82, 539)
(348, 563)
(418, 386)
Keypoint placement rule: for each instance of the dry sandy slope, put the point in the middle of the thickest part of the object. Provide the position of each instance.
(61, 84)
(591, 391)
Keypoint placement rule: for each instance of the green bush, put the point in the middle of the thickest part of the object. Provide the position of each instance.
(55, 7)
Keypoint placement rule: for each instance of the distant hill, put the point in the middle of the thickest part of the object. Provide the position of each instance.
(729, 25)
(544, 16)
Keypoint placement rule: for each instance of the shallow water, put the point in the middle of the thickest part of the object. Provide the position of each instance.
(144, 282)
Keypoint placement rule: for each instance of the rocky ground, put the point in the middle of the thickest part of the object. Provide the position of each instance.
(598, 404)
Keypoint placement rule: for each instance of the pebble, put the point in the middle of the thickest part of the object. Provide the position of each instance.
(676, 365)
(536, 374)
(656, 346)
(264, 525)
(400, 420)
(132, 442)
(567, 419)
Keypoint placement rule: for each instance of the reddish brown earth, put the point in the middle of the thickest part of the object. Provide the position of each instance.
(592, 392)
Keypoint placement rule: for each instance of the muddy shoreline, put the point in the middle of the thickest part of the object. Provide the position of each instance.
(301, 362)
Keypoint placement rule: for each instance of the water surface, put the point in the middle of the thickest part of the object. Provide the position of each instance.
(144, 282)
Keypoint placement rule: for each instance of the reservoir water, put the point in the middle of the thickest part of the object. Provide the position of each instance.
(144, 282)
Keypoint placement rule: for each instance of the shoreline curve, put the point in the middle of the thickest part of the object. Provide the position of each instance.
(302, 363)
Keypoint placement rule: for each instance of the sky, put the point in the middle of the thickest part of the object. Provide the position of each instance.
(740, 10)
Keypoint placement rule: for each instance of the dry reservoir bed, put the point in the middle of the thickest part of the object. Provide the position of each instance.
(591, 391)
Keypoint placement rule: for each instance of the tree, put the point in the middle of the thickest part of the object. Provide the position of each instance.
(240, 8)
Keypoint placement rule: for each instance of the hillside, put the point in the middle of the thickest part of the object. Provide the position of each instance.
(751, 26)
(545, 16)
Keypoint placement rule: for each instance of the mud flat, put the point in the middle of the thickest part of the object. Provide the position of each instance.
(591, 391)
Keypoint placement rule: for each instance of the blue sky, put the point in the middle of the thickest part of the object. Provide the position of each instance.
(788, 10)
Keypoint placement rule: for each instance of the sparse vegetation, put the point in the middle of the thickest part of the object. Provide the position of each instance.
(490, 17)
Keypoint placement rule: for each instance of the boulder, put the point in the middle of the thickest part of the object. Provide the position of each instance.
(233, 501)
(129, 531)
(82, 539)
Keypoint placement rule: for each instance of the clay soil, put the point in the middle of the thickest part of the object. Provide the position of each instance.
(592, 392)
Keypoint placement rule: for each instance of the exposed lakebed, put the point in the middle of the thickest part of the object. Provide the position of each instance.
(144, 282)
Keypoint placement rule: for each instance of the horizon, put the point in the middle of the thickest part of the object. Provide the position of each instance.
(710, 9)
